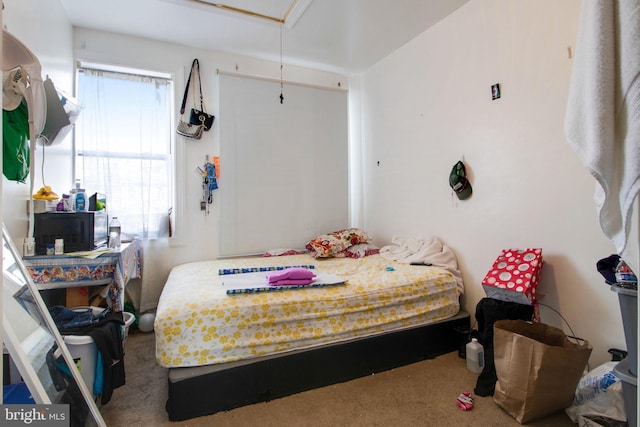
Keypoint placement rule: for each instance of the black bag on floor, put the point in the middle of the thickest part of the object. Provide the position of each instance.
(489, 311)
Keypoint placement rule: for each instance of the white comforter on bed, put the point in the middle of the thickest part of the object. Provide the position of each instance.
(412, 250)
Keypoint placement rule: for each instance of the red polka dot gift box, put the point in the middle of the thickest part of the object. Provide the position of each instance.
(514, 276)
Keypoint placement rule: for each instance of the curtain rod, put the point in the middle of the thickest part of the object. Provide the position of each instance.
(337, 88)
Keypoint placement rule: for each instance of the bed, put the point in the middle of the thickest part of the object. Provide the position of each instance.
(226, 347)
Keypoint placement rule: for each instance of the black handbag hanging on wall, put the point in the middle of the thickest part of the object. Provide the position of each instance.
(186, 128)
(199, 116)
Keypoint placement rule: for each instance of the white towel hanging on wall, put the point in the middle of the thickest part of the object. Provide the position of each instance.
(602, 123)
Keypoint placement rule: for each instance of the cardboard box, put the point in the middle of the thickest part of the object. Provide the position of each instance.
(514, 276)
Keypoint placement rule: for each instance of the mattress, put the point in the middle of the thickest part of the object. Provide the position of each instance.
(199, 323)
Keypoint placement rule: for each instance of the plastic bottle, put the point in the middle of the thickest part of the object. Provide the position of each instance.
(29, 246)
(624, 274)
(81, 198)
(114, 233)
(475, 356)
(81, 201)
(71, 199)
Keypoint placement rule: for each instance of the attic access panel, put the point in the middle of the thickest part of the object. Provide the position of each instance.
(285, 12)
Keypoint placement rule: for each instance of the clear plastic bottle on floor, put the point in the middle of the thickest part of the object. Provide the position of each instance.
(475, 356)
(114, 233)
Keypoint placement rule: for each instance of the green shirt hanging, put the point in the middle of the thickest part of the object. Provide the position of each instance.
(15, 143)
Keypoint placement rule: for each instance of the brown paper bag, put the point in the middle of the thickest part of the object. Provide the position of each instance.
(538, 368)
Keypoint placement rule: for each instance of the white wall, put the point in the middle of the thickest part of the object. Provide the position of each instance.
(429, 104)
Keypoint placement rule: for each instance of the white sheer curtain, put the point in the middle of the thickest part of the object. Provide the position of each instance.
(123, 147)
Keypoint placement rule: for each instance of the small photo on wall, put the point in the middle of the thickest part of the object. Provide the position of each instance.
(495, 91)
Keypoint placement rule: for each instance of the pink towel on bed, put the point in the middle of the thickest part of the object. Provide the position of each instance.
(291, 282)
(293, 273)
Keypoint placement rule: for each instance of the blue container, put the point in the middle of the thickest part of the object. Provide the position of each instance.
(16, 394)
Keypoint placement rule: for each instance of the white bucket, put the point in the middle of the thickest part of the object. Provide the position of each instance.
(85, 355)
(129, 318)
(84, 351)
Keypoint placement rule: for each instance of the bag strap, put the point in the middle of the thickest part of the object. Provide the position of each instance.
(197, 64)
(186, 88)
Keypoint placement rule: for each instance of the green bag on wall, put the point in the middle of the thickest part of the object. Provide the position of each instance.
(15, 143)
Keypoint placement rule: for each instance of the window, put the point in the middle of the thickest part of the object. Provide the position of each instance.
(123, 146)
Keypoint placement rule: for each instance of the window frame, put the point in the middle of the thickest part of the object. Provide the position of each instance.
(176, 151)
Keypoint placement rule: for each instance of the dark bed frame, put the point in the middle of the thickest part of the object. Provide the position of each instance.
(205, 390)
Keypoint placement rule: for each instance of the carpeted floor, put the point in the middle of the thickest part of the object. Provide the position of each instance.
(420, 394)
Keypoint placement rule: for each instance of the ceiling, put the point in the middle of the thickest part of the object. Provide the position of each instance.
(343, 36)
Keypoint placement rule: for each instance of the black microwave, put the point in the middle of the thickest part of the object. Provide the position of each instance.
(81, 231)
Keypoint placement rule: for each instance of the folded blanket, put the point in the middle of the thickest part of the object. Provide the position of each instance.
(293, 273)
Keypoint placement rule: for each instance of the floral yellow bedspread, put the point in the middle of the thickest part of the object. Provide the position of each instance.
(197, 323)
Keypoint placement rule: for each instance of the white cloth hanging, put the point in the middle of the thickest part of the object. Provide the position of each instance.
(16, 54)
(602, 122)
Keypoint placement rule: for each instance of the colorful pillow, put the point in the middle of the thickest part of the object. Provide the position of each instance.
(333, 244)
